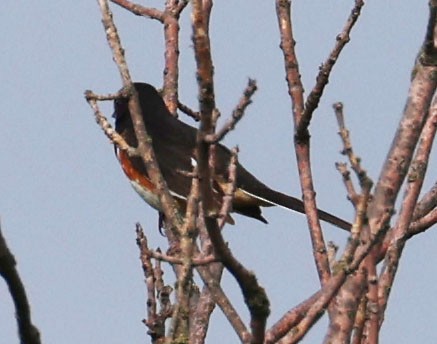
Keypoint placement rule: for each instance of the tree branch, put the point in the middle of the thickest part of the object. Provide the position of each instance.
(400, 232)
(313, 99)
(29, 333)
(301, 142)
(423, 86)
(144, 143)
(140, 10)
(237, 114)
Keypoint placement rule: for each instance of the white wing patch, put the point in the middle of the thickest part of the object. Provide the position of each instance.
(264, 200)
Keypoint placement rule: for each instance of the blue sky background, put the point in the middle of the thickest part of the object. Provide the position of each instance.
(68, 212)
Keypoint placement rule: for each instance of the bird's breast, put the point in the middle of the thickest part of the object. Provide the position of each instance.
(141, 184)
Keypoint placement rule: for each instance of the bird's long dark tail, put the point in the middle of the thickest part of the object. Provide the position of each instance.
(272, 197)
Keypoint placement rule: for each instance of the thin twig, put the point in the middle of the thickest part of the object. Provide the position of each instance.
(140, 10)
(105, 125)
(237, 114)
(309, 311)
(360, 201)
(229, 192)
(426, 204)
(154, 323)
(188, 111)
(313, 99)
(350, 188)
(354, 160)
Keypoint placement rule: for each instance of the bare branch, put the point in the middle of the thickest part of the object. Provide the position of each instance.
(180, 5)
(237, 114)
(426, 204)
(295, 87)
(422, 88)
(354, 160)
(144, 146)
(29, 333)
(140, 10)
(301, 143)
(423, 223)
(371, 326)
(312, 101)
(290, 319)
(360, 319)
(200, 20)
(345, 173)
(188, 235)
(204, 309)
(223, 302)
(103, 122)
(360, 201)
(172, 12)
(186, 110)
(400, 232)
(344, 308)
(155, 323)
(212, 294)
(228, 196)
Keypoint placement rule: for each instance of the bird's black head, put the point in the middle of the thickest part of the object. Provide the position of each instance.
(151, 104)
(146, 94)
(153, 109)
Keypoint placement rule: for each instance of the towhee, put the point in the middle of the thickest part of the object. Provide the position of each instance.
(174, 143)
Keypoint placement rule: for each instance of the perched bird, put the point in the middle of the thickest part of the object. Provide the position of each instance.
(174, 144)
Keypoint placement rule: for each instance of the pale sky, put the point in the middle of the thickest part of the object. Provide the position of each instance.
(68, 212)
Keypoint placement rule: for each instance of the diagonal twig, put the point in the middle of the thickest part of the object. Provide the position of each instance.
(313, 99)
(237, 114)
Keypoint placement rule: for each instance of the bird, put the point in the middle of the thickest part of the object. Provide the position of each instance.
(174, 144)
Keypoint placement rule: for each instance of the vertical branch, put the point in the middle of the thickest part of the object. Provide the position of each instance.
(171, 15)
(181, 313)
(210, 293)
(399, 233)
(292, 74)
(154, 322)
(144, 148)
(371, 326)
(254, 295)
(223, 302)
(360, 319)
(397, 163)
(205, 81)
(344, 308)
(349, 298)
(204, 308)
(301, 142)
(170, 18)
